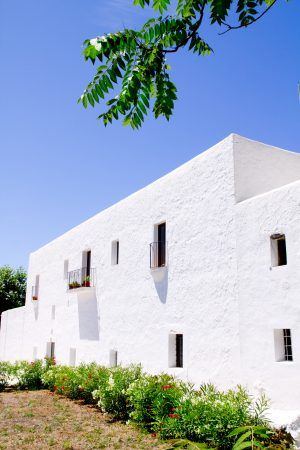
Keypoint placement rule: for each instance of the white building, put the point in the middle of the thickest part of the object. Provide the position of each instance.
(197, 274)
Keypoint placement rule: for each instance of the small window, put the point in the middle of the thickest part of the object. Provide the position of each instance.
(35, 288)
(113, 358)
(86, 263)
(35, 350)
(72, 357)
(50, 351)
(278, 250)
(175, 350)
(283, 345)
(115, 246)
(158, 248)
(66, 269)
(53, 312)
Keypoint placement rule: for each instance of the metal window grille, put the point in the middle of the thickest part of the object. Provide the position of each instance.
(287, 340)
(84, 277)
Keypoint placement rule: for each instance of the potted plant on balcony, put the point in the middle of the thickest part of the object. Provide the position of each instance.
(34, 297)
(74, 285)
(86, 281)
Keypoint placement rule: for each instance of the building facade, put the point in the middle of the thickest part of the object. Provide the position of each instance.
(196, 275)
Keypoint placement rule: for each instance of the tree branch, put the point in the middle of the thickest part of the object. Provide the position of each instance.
(236, 27)
(195, 28)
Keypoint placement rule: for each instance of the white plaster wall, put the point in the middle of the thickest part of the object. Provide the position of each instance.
(259, 167)
(269, 297)
(133, 309)
(12, 334)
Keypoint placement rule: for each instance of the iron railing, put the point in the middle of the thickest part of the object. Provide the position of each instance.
(158, 254)
(34, 293)
(84, 277)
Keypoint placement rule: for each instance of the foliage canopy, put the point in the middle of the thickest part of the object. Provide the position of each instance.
(135, 61)
(12, 288)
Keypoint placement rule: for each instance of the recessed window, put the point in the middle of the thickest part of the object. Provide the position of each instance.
(278, 250)
(66, 268)
(175, 350)
(53, 312)
(86, 263)
(72, 357)
(158, 248)
(115, 251)
(283, 345)
(113, 358)
(50, 351)
(35, 288)
(35, 350)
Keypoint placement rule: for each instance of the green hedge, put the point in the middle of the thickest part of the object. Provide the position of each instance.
(160, 403)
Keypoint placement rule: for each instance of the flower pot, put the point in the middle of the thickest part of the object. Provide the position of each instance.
(34, 297)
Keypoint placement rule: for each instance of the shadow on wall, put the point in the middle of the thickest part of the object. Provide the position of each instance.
(88, 316)
(161, 281)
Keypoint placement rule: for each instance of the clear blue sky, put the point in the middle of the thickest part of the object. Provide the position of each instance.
(59, 165)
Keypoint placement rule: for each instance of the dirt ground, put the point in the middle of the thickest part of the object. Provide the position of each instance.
(42, 420)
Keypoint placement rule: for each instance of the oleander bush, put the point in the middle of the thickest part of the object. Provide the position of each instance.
(5, 375)
(76, 382)
(28, 375)
(161, 404)
(154, 398)
(113, 392)
(209, 415)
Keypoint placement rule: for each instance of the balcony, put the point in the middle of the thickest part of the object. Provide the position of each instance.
(34, 293)
(81, 278)
(158, 254)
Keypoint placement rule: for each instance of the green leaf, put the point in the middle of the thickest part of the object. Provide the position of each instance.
(90, 99)
(95, 95)
(99, 90)
(242, 438)
(238, 430)
(84, 101)
(242, 446)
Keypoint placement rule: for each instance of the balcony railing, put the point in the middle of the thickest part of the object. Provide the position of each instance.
(34, 293)
(81, 278)
(158, 254)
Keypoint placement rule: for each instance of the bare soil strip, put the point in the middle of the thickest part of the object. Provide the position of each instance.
(42, 420)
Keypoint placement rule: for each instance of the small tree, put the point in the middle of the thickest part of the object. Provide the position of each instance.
(12, 288)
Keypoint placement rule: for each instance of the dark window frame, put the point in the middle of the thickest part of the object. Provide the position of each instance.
(287, 342)
(179, 350)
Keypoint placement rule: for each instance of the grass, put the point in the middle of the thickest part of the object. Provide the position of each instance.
(42, 420)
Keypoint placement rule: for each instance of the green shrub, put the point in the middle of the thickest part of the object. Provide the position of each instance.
(91, 376)
(154, 398)
(55, 378)
(28, 375)
(209, 415)
(112, 393)
(5, 375)
(76, 382)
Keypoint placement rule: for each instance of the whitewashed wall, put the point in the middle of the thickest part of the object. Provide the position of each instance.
(269, 297)
(134, 309)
